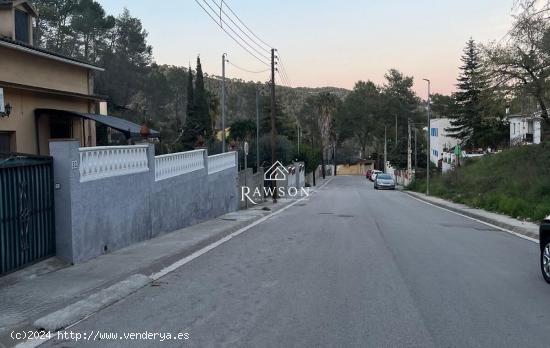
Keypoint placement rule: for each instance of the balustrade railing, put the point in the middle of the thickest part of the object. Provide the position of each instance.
(168, 166)
(108, 161)
(217, 163)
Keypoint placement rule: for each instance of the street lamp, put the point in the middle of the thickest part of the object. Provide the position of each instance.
(428, 148)
(7, 111)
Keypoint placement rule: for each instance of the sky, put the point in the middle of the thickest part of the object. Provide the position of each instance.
(327, 42)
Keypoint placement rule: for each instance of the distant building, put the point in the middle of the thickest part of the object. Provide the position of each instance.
(525, 128)
(440, 141)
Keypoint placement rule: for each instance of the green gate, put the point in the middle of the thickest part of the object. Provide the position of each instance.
(27, 225)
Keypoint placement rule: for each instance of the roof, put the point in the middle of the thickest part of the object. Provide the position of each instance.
(129, 129)
(533, 115)
(27, 4)
(21, 46)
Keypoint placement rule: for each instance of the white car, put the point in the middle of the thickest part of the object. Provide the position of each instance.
(374, 173)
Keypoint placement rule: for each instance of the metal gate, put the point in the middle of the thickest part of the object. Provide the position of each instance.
(27, 226)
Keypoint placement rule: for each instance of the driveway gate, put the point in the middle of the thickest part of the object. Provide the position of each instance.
(27, 226)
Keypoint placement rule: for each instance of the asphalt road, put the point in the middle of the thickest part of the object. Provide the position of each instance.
(350, 267)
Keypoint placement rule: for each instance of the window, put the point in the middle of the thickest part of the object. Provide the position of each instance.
(434, 132)
(5, 142)
(22, 26)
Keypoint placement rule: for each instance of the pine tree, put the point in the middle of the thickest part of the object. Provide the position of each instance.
(190, 96)
(201, 105)
(189, 136)
(467, 122)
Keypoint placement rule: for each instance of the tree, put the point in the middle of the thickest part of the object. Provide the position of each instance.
(466, 122)
(525, 60)
(53, 26)
(126, 62)
(242, 130)
(360, 113)
(318, 113)
(442, 106)
(90, 27)
(200, 103)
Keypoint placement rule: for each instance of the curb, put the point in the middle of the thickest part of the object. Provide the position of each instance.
(484, 219)
(64, 317)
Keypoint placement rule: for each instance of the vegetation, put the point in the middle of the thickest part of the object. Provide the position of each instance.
(514, 182)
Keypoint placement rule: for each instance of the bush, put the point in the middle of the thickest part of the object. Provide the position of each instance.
(515, 182)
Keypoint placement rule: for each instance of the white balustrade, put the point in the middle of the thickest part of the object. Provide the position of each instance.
(222, 161)
(108, 161)
(168, 166)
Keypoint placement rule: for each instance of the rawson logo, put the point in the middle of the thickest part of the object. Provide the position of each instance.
(287, 180)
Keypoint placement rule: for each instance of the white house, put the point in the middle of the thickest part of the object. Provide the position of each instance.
(525, 128)
(440, 139)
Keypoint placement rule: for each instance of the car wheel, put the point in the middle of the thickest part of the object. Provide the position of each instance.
(545, 261)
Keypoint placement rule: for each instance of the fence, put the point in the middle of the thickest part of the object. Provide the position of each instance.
(112, 197)
(220, 162)
(168, 166)
(27, 232)
(109, 161)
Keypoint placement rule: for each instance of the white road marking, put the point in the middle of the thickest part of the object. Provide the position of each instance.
(477, 220)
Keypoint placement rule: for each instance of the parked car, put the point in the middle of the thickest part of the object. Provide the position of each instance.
(384, 181)
(374, 173)
(368, 173)
(544, 243)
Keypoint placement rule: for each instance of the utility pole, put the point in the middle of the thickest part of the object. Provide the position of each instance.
(223, 102)
(298, 129)
(409, 151)
(428, 150)
(396, 130)
(385, 147)
(273, 127)
(415, 153)
(257, 129)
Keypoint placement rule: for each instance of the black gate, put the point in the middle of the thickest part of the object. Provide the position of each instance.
(27, 226)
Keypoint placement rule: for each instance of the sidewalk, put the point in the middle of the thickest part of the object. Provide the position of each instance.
(523, 228)
(26, 296)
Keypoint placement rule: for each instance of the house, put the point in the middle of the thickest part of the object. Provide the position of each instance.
(525, 128)
(440, 141)
(44, 95)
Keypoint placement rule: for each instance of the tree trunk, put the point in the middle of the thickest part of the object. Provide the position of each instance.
(314, 184)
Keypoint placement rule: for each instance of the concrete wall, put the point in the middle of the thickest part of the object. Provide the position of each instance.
(253, 181)
(99, 216)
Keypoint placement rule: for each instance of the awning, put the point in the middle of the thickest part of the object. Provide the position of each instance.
(129, 129)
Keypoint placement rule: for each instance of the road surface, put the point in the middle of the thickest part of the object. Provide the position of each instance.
(350, 267)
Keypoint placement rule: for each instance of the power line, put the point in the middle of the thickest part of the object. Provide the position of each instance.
(231, 36)
(238, 26)
(246, 70)
(283, 70)
(256, 36)
(234, 32)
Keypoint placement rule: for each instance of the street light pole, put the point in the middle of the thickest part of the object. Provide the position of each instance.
(428, 150)
(257, 129)
(385, 148)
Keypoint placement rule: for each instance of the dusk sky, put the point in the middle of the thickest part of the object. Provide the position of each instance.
(328, 43)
